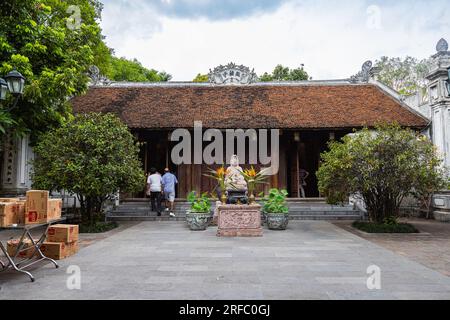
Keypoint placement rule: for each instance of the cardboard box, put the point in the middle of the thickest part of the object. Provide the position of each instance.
(36, 206)
(9, 214)
(73, 248)
(55, 250)
(21, 212)
(9, 199)
(33, 217)
(11, 247)
(66, 233)
(54, 209)
(59, 250)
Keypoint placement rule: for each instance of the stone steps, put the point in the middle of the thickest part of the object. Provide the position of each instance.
(299, 209)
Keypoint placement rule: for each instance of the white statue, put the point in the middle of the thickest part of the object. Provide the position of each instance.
(233, 177)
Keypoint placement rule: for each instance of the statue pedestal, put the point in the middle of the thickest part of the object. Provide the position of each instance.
(239, 220)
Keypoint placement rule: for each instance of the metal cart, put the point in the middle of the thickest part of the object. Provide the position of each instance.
(20, 263)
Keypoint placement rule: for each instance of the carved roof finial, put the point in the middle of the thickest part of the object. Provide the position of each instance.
(96, 77)
(232, 74)
(442, 45)
(364, 74)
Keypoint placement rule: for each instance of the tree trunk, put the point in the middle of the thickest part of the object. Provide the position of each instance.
(89, 210)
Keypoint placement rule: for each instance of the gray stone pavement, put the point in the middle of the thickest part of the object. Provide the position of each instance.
(165, 260)
(430, 247)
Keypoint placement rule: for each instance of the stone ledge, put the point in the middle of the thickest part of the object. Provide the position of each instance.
(257, 232)
(441, 216)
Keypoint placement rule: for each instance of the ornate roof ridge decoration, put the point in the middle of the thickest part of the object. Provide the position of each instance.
(97, 79)
(232, 74)
(442, 45)
(364, 74)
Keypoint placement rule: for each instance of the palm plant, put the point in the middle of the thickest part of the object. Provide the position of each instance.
(219, 175)
(253, 178)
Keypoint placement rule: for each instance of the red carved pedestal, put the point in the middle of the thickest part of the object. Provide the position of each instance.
(239, 220)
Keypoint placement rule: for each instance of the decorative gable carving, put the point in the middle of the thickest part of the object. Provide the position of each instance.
(232, 74)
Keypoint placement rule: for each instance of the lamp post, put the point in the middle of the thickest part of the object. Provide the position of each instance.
(14, 82)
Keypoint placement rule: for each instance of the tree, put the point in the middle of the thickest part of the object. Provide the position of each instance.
(52, 44)
(281, 73)
(164, 76)
(132, 70)
(201, 78)
(382, 167)
(93, 156)
(407, 76)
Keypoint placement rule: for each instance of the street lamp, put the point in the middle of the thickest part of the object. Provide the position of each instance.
(14, 82)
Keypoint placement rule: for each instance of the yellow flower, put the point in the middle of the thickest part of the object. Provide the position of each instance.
(220, 172)
(250, 172)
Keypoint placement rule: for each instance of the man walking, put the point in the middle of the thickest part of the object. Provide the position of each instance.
(154, 182)
(169, 180)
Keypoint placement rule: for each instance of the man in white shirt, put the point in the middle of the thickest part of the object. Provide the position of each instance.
(154, 182)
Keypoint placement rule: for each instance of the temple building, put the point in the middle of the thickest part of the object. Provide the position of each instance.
(307, 114)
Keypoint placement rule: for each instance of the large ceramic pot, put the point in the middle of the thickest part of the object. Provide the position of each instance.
(198, 220)
(277, 221)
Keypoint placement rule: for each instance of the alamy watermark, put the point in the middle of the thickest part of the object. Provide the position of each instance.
(373, 17)
(258, 146)
(73, 281)
(74, 20)
(374, 280)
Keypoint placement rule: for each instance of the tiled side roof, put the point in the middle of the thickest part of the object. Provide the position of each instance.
(254, 106)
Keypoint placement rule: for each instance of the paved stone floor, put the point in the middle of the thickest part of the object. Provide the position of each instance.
(164, 260)
(430, 247)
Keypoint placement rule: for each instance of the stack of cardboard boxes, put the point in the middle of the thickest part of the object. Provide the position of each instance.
(36, 208)
(62, 241)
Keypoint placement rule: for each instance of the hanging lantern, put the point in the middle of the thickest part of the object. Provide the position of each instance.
(15, 82)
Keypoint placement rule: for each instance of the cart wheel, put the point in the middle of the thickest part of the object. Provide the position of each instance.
(32, 279)
(57, 266)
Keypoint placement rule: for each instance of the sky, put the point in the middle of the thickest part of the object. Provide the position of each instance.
(332, 38)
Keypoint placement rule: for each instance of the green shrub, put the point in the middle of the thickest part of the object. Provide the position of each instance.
(275, 202)
(98, 227)
(388, 227)
(381, 167)
(92, 156)
(199, 204)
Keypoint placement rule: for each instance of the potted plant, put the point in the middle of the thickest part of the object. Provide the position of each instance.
(276, 210)
(199, 216)
(252, 178)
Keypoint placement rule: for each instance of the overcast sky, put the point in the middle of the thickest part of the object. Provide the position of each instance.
(332, 38)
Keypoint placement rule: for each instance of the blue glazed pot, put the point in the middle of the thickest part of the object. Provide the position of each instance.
(277, 221)
(198, 220)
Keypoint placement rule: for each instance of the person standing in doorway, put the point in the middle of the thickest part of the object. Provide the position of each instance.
(169, 180)
(154, 183)
(303, 174)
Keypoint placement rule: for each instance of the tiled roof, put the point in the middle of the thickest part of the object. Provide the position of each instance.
(283, 106)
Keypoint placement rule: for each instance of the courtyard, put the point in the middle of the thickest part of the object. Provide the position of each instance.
(164, 260)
